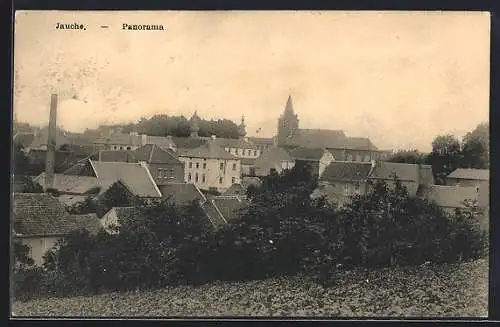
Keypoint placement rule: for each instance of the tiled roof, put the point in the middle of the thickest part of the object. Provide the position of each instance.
(24, 138)
(70, 183)
(346, 171)
(83, 167)
(235, 189)
(229, 206)
(404, 172)
(165, 142)
(152, 153)
(307, 153)
(274, 154)
(89, 222)
(70, 200)
(448, 196)
(213, 214)
(121, 139)
(475, 174)
(248, 161)
(188, 142)
(359, 143)
(317, 138)
(116, 156)
(209, 150)
(42, 214)
(181, 193)
(135, 176)
(261, 140)
(234, 143)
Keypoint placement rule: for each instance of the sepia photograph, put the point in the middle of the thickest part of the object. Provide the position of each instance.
(250, 164)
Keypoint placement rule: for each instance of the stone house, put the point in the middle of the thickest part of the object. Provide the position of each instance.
(40, 221)
(274, 158)
(315, 159)
(210, 167)
(468, 177)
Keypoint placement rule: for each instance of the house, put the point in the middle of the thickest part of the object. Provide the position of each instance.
(468, 177)
(316, 159)
(162, 163)
(262, 143)
(221, 210)
(276, 159)
(342, 147)
(247, 166)
(449, 197)
(181, 193)
(341, 180)
(132, 141)
(40, 221)
(210, 167)
(410, 175)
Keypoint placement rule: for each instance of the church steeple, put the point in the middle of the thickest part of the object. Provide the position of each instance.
(194, 124)
(288, 123)
(241, 128)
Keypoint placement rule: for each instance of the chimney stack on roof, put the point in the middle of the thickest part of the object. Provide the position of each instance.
(51, 144)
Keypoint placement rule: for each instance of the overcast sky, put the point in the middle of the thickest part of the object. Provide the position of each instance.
(398, 78)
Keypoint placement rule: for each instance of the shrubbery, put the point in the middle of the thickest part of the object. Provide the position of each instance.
(281, 232)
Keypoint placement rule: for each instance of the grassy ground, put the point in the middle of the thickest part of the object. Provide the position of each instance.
(425, 291)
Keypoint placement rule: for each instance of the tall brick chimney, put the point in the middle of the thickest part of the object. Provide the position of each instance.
(51, 144)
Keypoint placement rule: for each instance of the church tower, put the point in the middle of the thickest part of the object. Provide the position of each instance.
(241, 128)
(288, 123)
(194, 125)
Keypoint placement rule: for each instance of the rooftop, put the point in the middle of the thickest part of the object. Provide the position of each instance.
(469, 173)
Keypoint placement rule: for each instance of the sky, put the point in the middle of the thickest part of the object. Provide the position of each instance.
(399, 78)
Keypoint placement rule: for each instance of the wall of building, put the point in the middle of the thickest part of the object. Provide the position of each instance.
(166, 173)
(463, 182)
(356, 155)
(208, 173)
(339, 191)
(244, 153)
(324, 162)
(39, 246)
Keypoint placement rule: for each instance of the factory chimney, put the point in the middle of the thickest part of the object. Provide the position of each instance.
(51, 144)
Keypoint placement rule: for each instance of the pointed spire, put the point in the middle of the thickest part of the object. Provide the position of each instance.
(241, 129)
(194, 127)
(289, 105)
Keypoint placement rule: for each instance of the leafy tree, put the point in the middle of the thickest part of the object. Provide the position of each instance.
(475, 148)
(410, 157)
(445, 156)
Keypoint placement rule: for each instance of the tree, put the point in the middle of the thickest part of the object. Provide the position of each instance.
(445, 156)
(475, 148)
(410, 157)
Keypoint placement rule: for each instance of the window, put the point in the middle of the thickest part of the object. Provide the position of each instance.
(248, 152)
(160, 172)
(349, 157)
(237, 151)
(358, 157)
(203, 178)
(255, 152)
(129, 148)
(221, 166)
(233, 180)
(190, 165)
(357, 188)
(121, 148)
(189, 177)
(220, 180)
(234, 166)
(204, 165)
(196, 178)
(346, 189)
(367, 158)
(197, 165)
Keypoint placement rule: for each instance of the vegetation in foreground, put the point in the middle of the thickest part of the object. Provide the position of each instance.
(446, 290)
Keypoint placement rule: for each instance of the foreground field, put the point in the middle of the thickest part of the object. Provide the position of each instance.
(425, 291)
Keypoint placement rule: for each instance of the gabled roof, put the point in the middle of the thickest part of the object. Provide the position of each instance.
(116, 156)
(70, 183)
(209, 150)
(474, 174)
(234, 143)
(89, 222)
(317, 138)
(346, 171)
(309, 154)
(188, 142)
(41, 214)
(181, 193)
(120, 138)
(236, 189)
(359, 143)
(404, 172)
(448, 196)
(70, 200)
(135, 176)
(83, 166)
(229, 206)
(273, 154)
(152, 153)
(261, 140)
